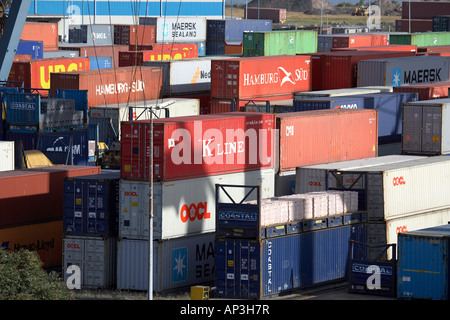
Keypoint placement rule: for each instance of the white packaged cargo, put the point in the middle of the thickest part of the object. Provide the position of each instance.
(180, 29)
(181, 207)
(177, 107)
(403, 71)
(6, 155)
(407, 188)
(426, 127)
(94, 256)
(177, 262)
(318, 177)
(184, 76)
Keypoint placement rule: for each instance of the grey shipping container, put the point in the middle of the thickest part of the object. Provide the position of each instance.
(94, 34)
(178, 263)
(426, 127)
(94, 256)
(403, 71)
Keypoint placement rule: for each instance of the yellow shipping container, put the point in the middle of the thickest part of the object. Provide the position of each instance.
(45, 238)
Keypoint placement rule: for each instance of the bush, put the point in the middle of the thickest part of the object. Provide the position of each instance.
(22, 278)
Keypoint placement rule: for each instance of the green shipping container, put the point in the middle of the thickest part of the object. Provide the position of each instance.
(420, 39)
(285, 42)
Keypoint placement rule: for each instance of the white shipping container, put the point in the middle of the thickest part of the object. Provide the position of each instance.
(180, 29)
(336, 92)
(426, 127)
(386, 232)
(94, 256)
(6, 155)
(178, 107)
(177, 262)
(184, 76)
(407, 188)
(181, 207)
(318, 177)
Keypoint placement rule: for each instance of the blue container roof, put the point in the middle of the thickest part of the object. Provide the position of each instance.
(437, 231)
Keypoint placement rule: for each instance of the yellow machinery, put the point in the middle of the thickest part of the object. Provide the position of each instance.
(360, 12)
(199, 293)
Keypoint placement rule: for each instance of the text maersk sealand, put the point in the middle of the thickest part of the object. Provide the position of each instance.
(183, 30)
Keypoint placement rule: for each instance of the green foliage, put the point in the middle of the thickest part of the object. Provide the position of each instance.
(22, 278)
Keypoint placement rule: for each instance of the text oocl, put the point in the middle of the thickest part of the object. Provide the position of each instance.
(194, 211)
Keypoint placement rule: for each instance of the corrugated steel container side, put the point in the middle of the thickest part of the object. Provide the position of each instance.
(47, 32)
(181, 29)
(275, 43)
(341, 68)
(95, 256)
(178, 263)
(97, 50)
(33, 48)
(100, 63)
(421, 39)
(342, 102)
(414, 25)
(184, 76)
(403, 71)
(7, 155)
(277, 15)
(248, 269)
(406, 180)
(191, 213)
(43, 237)
(134, 34)
(423, 264)
(351, 134)
(232, 30)
(111, 86)
(31, 195)
(388, 47)
(242, 78)
(222, 105)
(425, 128)
(91, 205)
(92, 34)
(202, 155)
(138, 58)
(37, 73)
(429, 91)
(359, 40)
(116, 113)
(423, 10)
(431, 49)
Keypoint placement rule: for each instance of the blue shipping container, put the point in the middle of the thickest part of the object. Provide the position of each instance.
(24, 110)
(100, 63)
(252, 269)
(345, 102)
(423, 264)
(232, 30)
(91, 204)
(33, 48)
(56, 147)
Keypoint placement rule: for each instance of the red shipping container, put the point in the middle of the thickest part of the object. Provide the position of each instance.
(339, 68)
(221, 105)
(322, 136)
(417, 25)
(428, 91)
(31, 195)
(47, 32)
(22, 57)
(424, 9)
(252, 77)
(134, 34)
(98, 51)
(197, 146)
(359, 40)
(137, 58)
(36, 73)
(389, 47)
(443, 48)
(112, 86)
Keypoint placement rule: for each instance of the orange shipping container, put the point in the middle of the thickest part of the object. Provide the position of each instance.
(112, 86)
(359, 40)
(47, 32)
(36, 73)
(322, 136)
(137, 58)
(44, 238)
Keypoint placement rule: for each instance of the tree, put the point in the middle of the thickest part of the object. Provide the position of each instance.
(22, 278)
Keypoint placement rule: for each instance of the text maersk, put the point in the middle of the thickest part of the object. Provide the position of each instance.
(422, 76)
(184, 29)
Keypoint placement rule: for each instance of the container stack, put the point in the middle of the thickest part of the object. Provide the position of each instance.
(284, 243)
(184, 179)
(90, 228)
(57, 125)
(32, 210)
